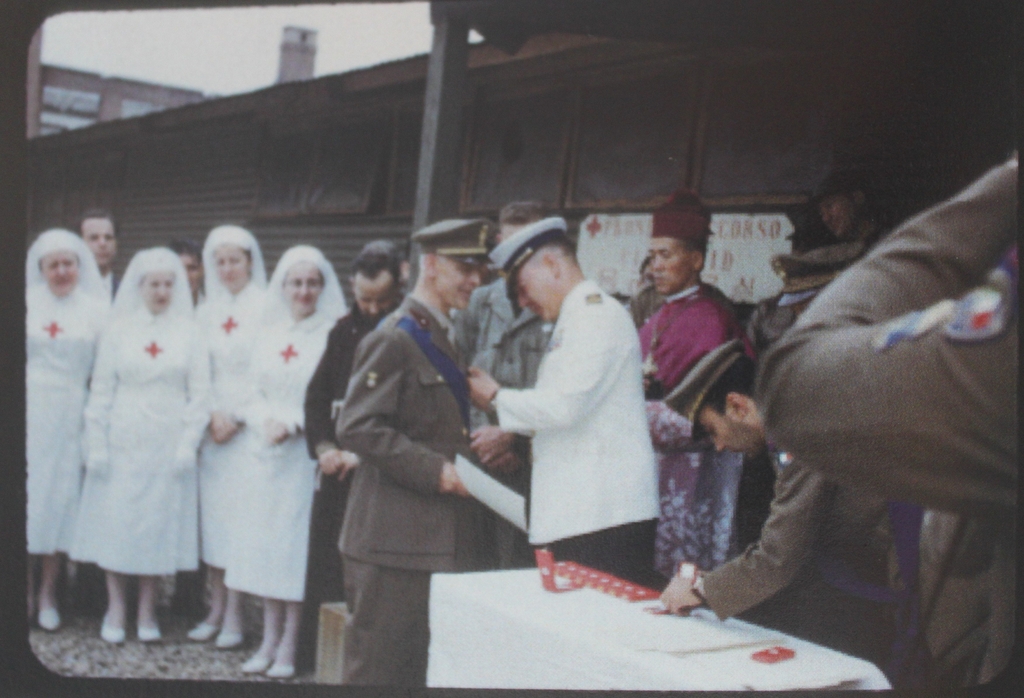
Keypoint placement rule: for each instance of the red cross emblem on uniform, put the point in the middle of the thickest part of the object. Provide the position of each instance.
(153, 349)
(593, 227)
(52, 329)
(289, 353)
(229, 325)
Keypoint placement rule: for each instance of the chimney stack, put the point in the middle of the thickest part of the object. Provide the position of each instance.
(298, 54)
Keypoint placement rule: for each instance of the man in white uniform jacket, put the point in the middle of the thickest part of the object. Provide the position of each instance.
(594, 489)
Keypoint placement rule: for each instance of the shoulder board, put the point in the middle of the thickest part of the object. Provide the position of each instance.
(594, 299)
(420, 318)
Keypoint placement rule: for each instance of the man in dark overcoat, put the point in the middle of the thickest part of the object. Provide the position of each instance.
(376, 289)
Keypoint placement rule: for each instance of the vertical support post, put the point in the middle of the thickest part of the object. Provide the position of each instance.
(34, 84)
(440, 166)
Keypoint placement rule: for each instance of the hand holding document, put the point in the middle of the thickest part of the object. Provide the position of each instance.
(506, 503)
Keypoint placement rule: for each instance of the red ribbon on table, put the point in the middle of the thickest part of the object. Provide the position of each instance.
(576, 576)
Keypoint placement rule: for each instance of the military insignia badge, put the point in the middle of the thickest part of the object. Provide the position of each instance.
(594, 299)
(371, 379)
(913, 325)
(780, 459)
(986, 312)
(981, 314)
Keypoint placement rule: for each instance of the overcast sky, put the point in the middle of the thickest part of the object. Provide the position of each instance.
(226, 51)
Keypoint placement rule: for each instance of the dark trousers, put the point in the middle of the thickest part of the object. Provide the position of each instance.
(388, 632)
(324, 580)
(625, 551)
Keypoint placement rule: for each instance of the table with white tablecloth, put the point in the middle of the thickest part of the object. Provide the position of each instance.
(503, 630)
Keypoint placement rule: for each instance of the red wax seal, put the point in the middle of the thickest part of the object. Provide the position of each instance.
(773, 654)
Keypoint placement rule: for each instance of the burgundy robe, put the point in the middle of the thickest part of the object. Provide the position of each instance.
(686, 329)
(698, 488)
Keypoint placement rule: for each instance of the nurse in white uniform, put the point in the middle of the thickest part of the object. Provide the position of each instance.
(229, 319)
(304, 300)
(66, 307)
(147, 410)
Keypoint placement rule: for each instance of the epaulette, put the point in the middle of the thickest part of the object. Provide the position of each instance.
(594, 299)
(422, 320)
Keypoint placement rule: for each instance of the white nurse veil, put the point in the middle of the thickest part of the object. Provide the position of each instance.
(239, 237)
(331, 303)
(60, 240)
(129, 293)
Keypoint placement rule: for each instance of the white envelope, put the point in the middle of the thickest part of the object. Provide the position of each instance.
(506, 503)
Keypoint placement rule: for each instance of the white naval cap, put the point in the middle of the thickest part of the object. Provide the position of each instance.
(518, 247)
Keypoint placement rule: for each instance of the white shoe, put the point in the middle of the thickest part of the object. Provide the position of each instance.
(148, 634)
(256, 665)
(49, 619)
(111, 634)
(203, 632)
(281, 671)
(228, 641)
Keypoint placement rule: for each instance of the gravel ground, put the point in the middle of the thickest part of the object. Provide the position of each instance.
(77, 650)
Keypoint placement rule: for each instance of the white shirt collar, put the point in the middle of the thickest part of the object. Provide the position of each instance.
(682, 294)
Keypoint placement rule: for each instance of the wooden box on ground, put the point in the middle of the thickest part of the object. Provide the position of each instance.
(330, 642)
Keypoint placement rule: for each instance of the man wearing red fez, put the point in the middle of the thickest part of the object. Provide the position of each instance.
(693, 319)
(697, 503)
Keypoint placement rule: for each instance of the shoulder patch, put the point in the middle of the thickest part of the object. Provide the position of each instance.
(913, 325)
(594, 299)
(981, 314)
(988, 310)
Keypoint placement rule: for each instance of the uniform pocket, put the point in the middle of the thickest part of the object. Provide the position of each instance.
(430, 401)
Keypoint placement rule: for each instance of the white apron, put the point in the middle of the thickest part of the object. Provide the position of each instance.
(275, 503)
(230, 326)
(61, 335)
(145, 417)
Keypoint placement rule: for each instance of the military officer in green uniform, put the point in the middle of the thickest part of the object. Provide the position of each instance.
(508, 343)
(406, 414)
(821, 567)
(902, 377)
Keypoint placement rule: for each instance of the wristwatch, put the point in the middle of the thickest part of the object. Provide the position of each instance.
(698, 586)
(688, 569)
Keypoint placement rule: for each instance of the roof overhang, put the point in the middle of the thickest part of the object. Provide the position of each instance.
(752, 23)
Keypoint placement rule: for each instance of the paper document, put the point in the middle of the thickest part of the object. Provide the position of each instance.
(681, 636)
(495, 496)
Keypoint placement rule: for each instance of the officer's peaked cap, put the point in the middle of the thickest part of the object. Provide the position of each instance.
(815, 268)
(460, 238)
(517, 248)
(688, 397)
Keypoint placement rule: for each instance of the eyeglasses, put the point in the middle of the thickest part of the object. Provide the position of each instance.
(301, 284)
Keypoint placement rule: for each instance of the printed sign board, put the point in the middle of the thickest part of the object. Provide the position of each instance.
(613, 246)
